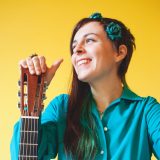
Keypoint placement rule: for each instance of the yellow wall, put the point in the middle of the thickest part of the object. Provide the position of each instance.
(44, 27)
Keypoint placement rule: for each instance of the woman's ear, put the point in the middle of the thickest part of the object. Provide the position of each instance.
(122, 52)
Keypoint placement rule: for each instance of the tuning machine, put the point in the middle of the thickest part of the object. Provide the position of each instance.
(19, 82)
(42, 106)
(19, 93)
(45, 86)
(19, 105)
(44, 96)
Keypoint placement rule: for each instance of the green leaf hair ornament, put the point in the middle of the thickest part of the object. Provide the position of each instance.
(113, 29)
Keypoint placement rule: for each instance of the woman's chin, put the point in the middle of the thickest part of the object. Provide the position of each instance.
(83, 78)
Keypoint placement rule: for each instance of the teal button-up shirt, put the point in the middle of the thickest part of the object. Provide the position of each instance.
(129, 129)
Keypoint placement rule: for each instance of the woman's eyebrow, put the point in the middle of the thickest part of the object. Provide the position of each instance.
(86, 36)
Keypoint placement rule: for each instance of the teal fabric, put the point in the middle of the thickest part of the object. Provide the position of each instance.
(129, 129)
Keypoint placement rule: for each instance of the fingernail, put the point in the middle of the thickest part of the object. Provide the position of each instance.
(32, 72)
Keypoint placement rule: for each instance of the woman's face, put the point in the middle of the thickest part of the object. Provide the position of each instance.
(93, 53)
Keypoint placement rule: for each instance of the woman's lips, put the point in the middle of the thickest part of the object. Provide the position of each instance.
(83, 61)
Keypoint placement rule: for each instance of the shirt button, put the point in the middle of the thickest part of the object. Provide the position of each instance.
(102, 152)
(105, 128)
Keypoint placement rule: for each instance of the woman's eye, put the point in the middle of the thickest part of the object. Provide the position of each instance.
(89, 40)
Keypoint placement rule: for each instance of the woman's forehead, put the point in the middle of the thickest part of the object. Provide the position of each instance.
(91, 27)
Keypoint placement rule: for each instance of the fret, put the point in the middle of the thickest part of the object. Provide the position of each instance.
(29, 117)
(27, 156)
(28, 144)
(29, 131)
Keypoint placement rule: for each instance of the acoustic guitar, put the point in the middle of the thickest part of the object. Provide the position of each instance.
(31, 93)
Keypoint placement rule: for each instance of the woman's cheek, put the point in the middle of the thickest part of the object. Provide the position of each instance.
(73, 60)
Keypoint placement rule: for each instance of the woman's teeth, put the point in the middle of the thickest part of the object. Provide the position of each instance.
(85, 61)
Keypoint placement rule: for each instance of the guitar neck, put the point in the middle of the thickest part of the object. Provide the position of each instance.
(28, 147)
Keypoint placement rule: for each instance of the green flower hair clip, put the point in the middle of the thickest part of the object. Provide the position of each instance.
(96, 16)
(113, 29)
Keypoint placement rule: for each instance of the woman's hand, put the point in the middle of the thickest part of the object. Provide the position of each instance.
(37, 65)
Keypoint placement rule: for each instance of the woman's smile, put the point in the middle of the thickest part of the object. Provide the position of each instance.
(83, 61)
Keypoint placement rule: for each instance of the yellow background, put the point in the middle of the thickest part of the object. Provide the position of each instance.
(44, 27)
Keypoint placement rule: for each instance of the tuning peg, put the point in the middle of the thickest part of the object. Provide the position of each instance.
(44, 96)
(44, 89)
(19, 82)
(42, 106)
(45, 85)
(19, 105)
(19, 93)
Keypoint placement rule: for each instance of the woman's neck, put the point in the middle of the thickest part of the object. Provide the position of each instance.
(105, 92)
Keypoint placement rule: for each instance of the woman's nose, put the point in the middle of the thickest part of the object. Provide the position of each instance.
(79, 49)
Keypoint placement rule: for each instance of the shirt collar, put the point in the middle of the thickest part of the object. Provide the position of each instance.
(129, 95)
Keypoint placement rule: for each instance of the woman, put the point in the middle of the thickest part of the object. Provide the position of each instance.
(100, 118)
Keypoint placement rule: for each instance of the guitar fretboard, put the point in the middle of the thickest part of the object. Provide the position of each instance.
(28, 138)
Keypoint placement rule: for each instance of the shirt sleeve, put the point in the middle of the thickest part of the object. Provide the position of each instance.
(15, 141)
(153, 123)
(47, 136)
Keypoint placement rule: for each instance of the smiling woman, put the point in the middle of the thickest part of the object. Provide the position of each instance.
(101, 118)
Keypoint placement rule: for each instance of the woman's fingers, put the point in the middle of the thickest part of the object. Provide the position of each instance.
(43, 64)
(30, 65)
(37, 65)
(23, 63)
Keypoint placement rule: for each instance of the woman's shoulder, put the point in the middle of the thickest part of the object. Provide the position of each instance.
(57, 108)
(131, 95)
(149, 100)
(60, 100)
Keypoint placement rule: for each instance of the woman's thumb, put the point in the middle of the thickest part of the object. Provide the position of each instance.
(52, 70)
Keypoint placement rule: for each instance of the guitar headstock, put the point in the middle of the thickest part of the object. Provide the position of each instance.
(32, 93)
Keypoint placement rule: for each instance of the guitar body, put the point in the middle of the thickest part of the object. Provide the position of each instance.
(32, 88)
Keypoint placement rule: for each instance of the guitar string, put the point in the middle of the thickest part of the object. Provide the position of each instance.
(33, 133)
(35, 137)
(30, 146)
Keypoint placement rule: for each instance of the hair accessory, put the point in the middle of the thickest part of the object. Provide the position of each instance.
(113, 31)
(96, 16)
